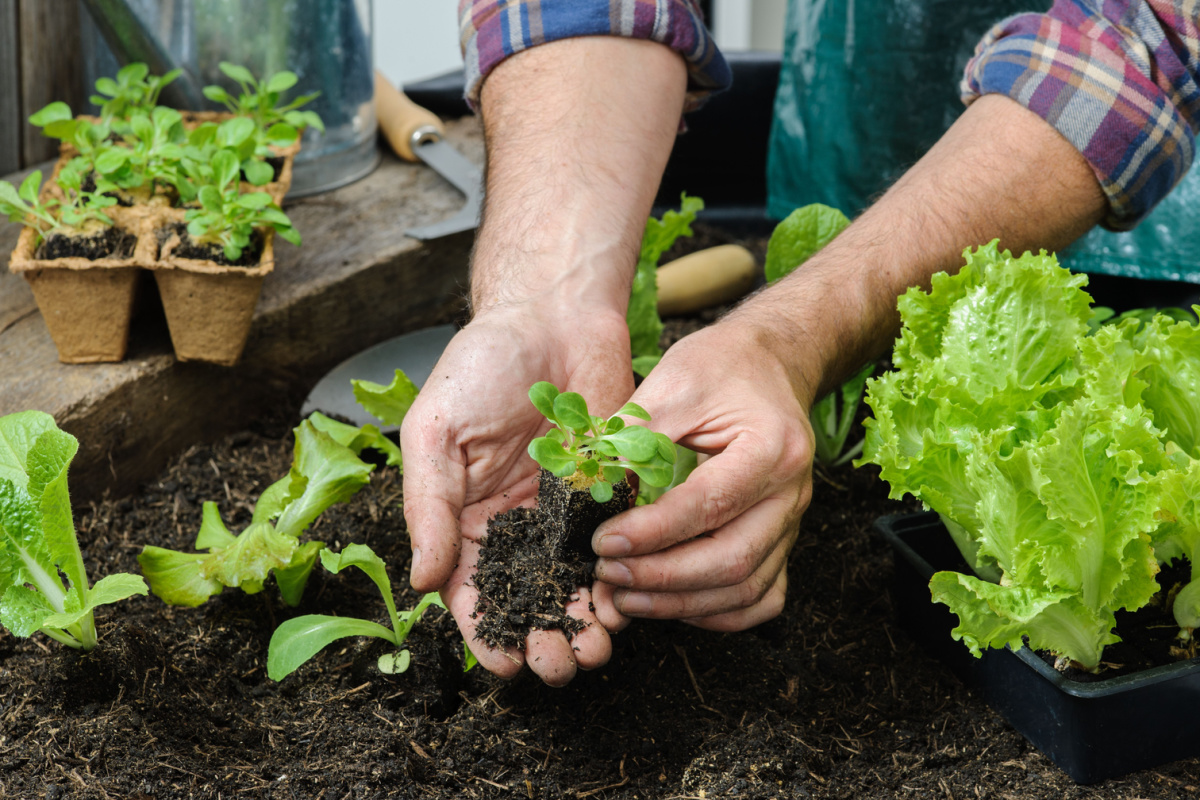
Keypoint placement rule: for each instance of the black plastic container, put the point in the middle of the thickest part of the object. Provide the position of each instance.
(1092, 731)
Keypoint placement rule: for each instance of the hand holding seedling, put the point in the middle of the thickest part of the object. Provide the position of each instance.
(465, 442)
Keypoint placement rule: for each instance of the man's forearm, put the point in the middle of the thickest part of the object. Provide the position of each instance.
(1000, 171)
(578, 134)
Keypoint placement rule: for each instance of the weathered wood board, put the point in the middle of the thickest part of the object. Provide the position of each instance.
(356, 281)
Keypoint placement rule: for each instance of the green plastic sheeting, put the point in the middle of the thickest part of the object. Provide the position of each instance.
(867, 86)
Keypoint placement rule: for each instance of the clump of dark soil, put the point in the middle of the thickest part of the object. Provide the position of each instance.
(110, 242)
(533, 560)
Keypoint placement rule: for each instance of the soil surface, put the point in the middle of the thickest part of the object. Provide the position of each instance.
(832, 699)
(107, 243)
(211, 252)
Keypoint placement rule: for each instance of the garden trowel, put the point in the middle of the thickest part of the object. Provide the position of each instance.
(417, 134)
(697, 281)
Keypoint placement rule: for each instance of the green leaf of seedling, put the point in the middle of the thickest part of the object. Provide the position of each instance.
(217, 94)
(363, 557)
(254, 200)
(655, 474)
(590, 468)
(643, 364)
(557, 435)
(210, 198)
(30, 186)
(281, 81)
(213, 533)
(542, 395)
(236, 72)
(552, 456)
(23, 611)
(469, 659)
(233, 251)
(282, 134)
(634, 442)
(55, 112)
(11, 201)
(297, 640)
(142, 127)
(666, 448)
(175, 577)
(226, 166)
(135, 72)
(257, 171)
(246, 562)
(289, 234)
(613, 424)
(307, 119)
(109, 589)
(389, 404)
(294, 577)
(571, 411)
(805, 231)
(632, 409)
(605, 448)
(358, 438)
(613, 474)
(232, 132)
(198, 227)
(601, 491)
(323, 473)
(394, 663)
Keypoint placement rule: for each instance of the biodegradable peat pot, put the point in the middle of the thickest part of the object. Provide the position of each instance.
(210, 306)
(1094, 730)
(87, 303)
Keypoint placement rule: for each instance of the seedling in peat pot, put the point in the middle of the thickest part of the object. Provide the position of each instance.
(227, 218)
(133, 90)
(297, 640)
(38, 547)
(275, 125)
(79, 212)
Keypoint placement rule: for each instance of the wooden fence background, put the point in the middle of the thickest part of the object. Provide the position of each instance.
(41, 60)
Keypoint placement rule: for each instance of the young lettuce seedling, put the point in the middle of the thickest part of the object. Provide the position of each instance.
(74, 213)
(227, 218)
(134, 89)
(38, 546)
(592, 452)
(274, 124)
(297, 640)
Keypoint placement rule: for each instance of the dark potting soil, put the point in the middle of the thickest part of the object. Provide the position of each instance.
(108, 243)
(187, 248)
(533, 559)
(829, 700)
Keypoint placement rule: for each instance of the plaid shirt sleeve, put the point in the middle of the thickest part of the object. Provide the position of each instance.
(492, 30)
(1117, 78)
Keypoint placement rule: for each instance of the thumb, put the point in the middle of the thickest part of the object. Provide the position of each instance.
(434, 490)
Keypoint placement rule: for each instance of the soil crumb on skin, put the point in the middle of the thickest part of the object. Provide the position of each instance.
(107, 243)
(533, 559)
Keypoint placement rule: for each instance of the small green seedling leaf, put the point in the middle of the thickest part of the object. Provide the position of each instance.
(390, 403)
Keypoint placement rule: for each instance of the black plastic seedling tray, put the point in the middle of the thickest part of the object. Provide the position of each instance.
(1092, 731)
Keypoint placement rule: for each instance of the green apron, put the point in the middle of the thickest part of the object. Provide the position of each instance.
(867, 86)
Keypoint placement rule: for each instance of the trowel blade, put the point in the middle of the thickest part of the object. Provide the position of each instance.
(416, 353)
(465, 176)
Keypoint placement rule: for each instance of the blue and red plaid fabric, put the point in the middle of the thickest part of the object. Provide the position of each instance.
(1117, 78)
(492, 30)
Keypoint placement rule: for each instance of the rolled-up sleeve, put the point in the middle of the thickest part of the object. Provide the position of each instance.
(1117, 78)
(492, 30)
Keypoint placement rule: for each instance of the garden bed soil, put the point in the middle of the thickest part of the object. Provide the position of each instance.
(829, 700)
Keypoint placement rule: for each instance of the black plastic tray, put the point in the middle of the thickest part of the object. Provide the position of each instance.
(1092, 731)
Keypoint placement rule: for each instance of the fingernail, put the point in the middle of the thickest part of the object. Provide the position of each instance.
(633, 603)
(615, 572)
(612, 545)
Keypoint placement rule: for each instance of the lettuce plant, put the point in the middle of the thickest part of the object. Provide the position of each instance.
(592, 452)
(227, 218)
(645, 326)
(75, 211)
(1063, 463)
(297, 640)
(43, 583)
(275, 125)
(133, 90)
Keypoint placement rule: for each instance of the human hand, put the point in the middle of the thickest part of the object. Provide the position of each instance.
(465, 459)
(713, 551)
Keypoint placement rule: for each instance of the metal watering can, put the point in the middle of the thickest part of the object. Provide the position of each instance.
(327, 43)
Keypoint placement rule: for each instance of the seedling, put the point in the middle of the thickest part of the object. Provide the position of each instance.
(297, 640)
(75, 212)
(832, 421)
(57, 122)
(38, 546)
(134, 90)
(275, 125)
(592, 452)
(150, 154)
(227, 218)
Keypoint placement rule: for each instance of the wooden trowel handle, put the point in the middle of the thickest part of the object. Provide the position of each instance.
(705, 278)
(403, 122)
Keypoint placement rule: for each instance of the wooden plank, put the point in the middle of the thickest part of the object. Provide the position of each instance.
(51, 68)
(10, 90)
(356, 281)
